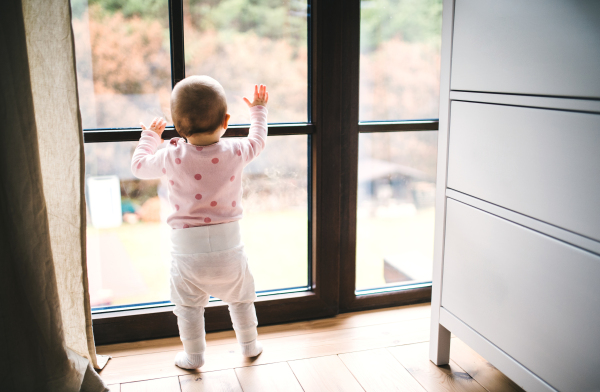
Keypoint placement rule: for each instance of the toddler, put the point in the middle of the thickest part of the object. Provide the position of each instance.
(204, 177)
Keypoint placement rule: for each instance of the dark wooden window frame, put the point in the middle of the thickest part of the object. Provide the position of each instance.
(333, 131)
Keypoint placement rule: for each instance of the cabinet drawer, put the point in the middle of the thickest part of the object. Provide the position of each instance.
(541, 163)
(539, 47)
(536, 298)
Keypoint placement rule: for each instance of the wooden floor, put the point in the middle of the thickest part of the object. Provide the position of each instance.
(379, 350)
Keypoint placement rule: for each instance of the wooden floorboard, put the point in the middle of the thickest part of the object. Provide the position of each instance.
(170, 384)
(221, 381)
(378, 350)
(227, 356)
(481, 370)
(447, 378)
(324, 374)
(379, 371)
(341, 321)
(276, 377)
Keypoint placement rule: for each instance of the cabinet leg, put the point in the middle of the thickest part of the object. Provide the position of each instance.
(439, 345)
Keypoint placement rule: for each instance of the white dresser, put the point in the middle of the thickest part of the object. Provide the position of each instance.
(517, 251)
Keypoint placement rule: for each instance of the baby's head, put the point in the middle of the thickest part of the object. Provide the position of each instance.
(198, 105)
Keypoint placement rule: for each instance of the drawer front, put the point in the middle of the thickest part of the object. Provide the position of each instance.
(543, 47)
(541, 163)
(536, 298)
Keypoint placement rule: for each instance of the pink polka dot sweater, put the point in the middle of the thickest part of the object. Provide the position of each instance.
(204, 183)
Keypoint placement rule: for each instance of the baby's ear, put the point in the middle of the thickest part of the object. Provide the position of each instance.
(226, 121)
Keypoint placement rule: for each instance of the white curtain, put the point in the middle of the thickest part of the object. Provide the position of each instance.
(45, 319)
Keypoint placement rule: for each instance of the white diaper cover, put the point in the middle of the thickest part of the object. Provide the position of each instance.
(210, 260)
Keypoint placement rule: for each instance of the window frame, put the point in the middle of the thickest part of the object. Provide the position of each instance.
(333, 132)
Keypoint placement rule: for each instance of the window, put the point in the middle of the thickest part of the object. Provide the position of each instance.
(240, 42)
(128, 237)
(400, 44)
(395, 208)
(303, 197)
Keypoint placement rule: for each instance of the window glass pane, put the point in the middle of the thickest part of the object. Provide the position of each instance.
(128, 245)
(123, 61)
(395, 208)
(400, 44)
(245, 42)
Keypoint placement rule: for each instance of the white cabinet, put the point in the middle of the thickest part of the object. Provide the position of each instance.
(535, 47)
(532, 161)
(517, 249)
(525, 292)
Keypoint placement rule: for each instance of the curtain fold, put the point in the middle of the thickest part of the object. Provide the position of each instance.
(45, 321)
(51, 56)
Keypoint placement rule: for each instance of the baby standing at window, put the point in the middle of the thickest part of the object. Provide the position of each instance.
(205, 192)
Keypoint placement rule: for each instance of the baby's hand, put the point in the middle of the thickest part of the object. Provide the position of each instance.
(158, 125)
(261, 96)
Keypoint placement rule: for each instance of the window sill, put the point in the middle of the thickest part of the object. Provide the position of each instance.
(168, 307)
(160, 322)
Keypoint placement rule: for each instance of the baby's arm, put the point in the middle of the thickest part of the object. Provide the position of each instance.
(146, 164)
(257, 137)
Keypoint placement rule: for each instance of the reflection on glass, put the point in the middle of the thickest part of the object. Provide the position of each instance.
(244, 42)
(395, 216)
(128, 246)
(123, 61)
(400, 43)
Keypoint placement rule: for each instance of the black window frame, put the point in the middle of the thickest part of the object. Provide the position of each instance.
(333, 131)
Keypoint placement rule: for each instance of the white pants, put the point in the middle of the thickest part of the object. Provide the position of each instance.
(210, 260)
